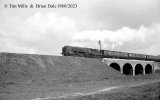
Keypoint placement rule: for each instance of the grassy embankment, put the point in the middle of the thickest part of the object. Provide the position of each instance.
(24, 76)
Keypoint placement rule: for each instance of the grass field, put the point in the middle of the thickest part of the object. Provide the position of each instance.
(26, 77)
(142, 92)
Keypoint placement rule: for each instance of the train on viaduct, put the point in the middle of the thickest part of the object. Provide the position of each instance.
(126, 63)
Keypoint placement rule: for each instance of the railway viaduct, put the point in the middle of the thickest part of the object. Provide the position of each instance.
(132, 67)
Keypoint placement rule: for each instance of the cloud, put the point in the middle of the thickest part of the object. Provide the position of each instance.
(124, 25)
(114, 14)
(11, 45)
(47, 33)
(141, 40)
(40, 33)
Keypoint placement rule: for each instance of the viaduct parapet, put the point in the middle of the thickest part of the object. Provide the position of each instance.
(132, 67)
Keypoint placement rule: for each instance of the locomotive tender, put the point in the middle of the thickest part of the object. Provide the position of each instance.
(95, 53)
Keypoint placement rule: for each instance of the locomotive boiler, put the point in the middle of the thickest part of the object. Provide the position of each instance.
(95, 53)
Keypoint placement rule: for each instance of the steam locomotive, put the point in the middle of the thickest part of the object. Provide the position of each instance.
(95, 53)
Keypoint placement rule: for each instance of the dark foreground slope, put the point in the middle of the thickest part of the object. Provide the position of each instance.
(23, 67)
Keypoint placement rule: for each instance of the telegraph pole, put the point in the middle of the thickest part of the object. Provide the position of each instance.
(99, 42)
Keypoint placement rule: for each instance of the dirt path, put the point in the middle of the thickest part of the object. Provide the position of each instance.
(106, 89)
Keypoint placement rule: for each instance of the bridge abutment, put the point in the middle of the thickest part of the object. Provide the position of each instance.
(133, 72)
(144, 72)
(121, 70)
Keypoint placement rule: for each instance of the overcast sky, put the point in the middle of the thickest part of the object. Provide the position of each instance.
(123, 25)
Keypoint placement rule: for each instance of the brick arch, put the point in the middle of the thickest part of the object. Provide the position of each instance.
(148, 69)
(127, 69)
(139, 69)
(115, 66)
